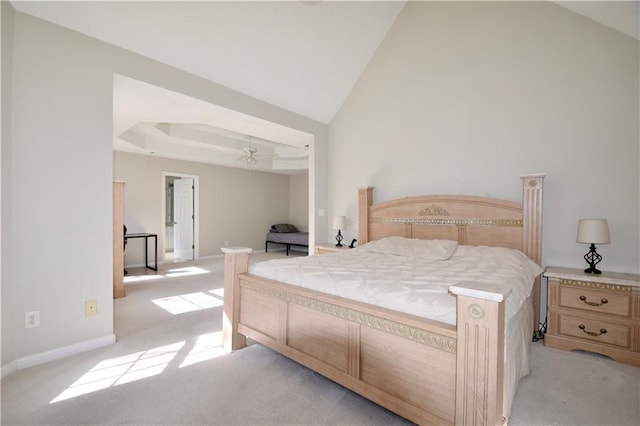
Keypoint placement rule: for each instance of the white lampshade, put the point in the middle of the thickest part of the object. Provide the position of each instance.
(593, 231)
(339, 222)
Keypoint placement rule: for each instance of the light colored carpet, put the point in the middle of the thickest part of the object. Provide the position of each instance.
(166, 368)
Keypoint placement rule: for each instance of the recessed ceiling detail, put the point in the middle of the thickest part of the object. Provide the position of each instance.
(155, 121)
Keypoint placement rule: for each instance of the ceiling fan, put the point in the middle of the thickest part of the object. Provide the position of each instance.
(251, 155)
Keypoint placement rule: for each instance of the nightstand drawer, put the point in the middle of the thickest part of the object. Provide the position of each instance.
(596, 301)
(594, 330)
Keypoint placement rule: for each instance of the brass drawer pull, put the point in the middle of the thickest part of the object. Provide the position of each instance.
(592, 333)
(602, 301)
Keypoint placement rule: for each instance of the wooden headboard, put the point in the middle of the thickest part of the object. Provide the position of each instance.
(467, 219)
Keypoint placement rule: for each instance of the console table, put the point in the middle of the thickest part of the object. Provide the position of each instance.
(146, 247)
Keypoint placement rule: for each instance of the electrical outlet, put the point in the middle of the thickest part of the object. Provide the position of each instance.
(90, 307)
(32, 319)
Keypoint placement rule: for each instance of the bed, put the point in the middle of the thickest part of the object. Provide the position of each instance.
(287, 235)
(428, 371)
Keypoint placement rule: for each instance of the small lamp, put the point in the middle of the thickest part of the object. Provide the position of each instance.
(339, 222)
(593, 231)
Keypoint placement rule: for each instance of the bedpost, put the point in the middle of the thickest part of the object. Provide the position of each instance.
(532, 186)
(236, 261)
(532, 189)
(479, 354)
(365, 199)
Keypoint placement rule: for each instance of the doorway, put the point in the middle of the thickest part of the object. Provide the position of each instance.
(180, 216)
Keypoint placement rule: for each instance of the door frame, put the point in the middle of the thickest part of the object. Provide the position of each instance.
(196, 210)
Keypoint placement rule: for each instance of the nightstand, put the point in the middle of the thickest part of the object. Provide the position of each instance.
(328, 248)
(597, 313)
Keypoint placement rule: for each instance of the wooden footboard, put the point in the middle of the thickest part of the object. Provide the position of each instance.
(427, 372)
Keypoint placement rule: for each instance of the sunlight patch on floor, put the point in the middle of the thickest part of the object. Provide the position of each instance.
(189, 270)
(208, 346)
(188, 302)
(121, 370)
(171, 273)
(141, 365)
(218, 292)
(137, 278)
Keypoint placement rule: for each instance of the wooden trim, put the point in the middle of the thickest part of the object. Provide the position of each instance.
(635, 307)
(118, 240)
(429, 333)
(353, 350)
(532, 188)
(236, 261)
(480, 362)
(365, 199)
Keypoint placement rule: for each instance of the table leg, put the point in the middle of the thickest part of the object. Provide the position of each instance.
(146, 251)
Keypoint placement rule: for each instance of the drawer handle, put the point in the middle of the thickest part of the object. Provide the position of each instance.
(592, 333)
(602, 301)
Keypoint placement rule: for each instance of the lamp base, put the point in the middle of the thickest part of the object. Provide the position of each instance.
(592, 258)
(339, 239)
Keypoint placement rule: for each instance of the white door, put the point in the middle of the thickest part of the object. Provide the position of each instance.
(183, 218)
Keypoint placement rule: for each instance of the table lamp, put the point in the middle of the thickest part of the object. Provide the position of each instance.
(339, 222)
(593, 231)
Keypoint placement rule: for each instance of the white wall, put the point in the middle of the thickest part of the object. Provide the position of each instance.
(8, 320)
(464, 97)
(299, 201)
(60, 180)
(236, 205)
(61, 174)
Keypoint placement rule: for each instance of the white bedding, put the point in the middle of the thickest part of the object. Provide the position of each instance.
(407, 284)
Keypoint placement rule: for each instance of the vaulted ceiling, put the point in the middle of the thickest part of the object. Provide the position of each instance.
(303, 56)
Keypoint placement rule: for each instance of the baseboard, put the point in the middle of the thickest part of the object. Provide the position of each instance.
(8, 369)
(65, 351)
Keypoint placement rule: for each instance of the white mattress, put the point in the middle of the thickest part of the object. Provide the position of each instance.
(407, 284)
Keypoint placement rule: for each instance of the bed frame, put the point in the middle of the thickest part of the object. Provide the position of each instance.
(287, 245)
(423, 370)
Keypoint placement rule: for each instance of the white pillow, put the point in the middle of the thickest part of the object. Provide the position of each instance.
(413, 248)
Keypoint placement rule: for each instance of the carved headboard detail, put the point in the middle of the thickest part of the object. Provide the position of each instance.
(467, 219)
